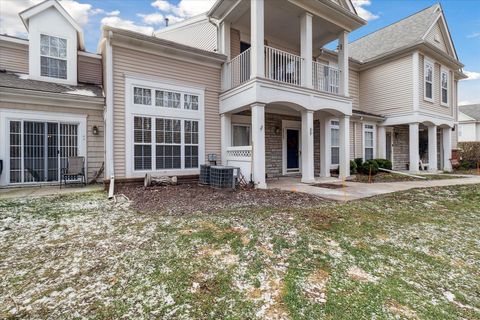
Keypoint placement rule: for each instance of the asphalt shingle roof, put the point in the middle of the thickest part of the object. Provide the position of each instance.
(19, 81)
(395, 36)
(471, 110)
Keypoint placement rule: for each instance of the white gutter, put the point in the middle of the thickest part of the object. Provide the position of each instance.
(109, 113)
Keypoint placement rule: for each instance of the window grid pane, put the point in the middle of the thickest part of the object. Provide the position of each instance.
(190, 102)
(191, 144)
(168, 143)
(167, 99)
(142, 96)
(53, 53)
(142, 143)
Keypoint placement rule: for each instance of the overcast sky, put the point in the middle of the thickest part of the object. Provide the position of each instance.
(147, 16)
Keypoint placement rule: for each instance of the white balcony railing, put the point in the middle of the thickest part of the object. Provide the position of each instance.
(282, 66)
(238, 69)
(325, 78)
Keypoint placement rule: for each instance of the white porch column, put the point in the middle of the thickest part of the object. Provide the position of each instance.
(224, 40)
(344, 147)
(447, 149)
(226, 134)
(306, 49)
(258, 145)
(413, 147)
(257, 64)
(432, 148)
(308, 175)
(325, 147)
(382, 142)
(343, 63)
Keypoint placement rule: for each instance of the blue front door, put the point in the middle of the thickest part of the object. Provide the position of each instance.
(292, 149)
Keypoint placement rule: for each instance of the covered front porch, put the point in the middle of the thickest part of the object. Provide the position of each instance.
(280, 139)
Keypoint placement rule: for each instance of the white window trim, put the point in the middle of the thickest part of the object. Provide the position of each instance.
(242, 125)
(132, 110)
(7, 115)
(374, 131)
(425, 63)
(332, 165)
(444, 70)
(51, 57)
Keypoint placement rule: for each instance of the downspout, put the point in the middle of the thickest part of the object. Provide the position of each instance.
(109, 114)
(216, 27)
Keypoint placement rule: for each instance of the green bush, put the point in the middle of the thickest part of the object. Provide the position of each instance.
(369, 167)
(358, 162)
(353, 167)
(384, 163)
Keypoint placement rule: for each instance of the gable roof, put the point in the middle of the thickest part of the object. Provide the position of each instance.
(471, 110)
(42, 6)
(402, 34)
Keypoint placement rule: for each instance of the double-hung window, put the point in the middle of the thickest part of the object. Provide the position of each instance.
(369, 141)
(142, 135)
(168, 143)
(428, 75)
(53, 57)
(191, 144)
(444, 87)
(240, 135)
(335, 142)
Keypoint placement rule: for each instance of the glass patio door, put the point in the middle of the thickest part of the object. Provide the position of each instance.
(38, 150)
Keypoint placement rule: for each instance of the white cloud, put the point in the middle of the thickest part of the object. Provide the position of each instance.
(472, 75)
(152, 18)
(362, 12)
(10, 22)
(162, 5)
(184, 9)
(113, 13)
(465, 103)
(474, 35)
(118, 22)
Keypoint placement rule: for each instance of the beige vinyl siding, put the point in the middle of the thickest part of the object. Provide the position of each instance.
(354, 88)
(13, 57)
(95, 144)
(201, 34)
(89, 70)
(435, 106)
(234, 43)
(132, 61)
(440, 41)
(387, 89)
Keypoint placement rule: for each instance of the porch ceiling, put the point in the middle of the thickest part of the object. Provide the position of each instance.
(282, 24)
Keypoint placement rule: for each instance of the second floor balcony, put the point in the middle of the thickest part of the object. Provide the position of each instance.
(283, 67)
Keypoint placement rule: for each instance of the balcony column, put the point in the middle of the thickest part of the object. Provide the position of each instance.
(226, 134)
(447, 149)
(257, 39)
(308, 170)
(306, 49)
(344, 167)
(224, 39)
(258, 145)
(325, 147)
(432, 149)
(343, 63)
(413, 147)
(382, 142)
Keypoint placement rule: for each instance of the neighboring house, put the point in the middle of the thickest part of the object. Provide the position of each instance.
(232, 85)
(50, 99)
(469, 123)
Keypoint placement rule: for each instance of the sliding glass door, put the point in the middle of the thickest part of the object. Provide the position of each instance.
(39, 150)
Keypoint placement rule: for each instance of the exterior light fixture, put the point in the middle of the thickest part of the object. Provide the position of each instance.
(95, 130)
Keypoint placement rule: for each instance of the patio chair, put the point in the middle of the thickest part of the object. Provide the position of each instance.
(75, 169)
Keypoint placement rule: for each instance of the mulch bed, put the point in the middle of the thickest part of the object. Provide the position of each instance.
(188, 198)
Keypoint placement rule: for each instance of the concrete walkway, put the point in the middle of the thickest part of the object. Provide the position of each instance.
(32, 192)
(358, 190)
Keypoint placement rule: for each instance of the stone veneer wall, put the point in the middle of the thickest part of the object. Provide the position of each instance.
(401, 155)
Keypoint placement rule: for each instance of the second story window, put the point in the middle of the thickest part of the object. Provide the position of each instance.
(53, 57)
(428, 74)
(444, 86)
(142, 96)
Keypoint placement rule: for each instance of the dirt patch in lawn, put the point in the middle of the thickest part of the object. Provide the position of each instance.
(184, 199)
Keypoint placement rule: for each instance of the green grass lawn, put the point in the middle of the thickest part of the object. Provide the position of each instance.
(409, 255)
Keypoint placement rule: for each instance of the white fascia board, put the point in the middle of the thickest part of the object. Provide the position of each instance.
(419, 117)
